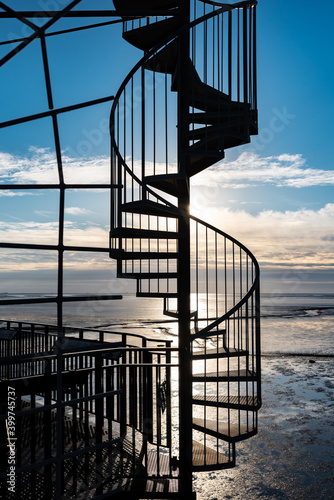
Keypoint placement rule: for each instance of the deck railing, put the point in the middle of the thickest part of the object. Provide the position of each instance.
(102, 418)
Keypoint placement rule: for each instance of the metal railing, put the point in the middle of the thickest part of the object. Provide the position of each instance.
(110, 406)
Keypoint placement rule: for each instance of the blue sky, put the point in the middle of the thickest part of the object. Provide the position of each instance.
(275, 194)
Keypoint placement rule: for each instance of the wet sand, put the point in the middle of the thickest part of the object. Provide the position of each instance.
(292, 457)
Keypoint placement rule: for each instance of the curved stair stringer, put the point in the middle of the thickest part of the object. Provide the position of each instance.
(144, 241)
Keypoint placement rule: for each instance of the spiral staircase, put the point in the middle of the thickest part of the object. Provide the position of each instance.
(188, 99)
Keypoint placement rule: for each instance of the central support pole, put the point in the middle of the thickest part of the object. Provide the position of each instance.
(185, 370)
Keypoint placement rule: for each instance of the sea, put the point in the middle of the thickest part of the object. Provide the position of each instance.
(292, 456)
(300, 323)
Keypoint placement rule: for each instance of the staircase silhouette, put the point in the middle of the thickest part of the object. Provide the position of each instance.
(219, 112)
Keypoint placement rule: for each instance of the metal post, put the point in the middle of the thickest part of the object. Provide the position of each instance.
(185, 388)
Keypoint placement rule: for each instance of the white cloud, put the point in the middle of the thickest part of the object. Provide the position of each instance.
(298, 238)
(77, 211)
(46, 233)
(44, 213)
(302, 237)
(11, 194)
(249, 169)
(39, 166)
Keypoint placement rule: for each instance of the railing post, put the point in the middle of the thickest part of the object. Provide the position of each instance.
(257, 341)
(245, 52)
(99, 420)
(183, 290)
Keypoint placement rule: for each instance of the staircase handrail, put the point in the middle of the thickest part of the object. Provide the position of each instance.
(168, 39)
(138, 65)
(202, 333)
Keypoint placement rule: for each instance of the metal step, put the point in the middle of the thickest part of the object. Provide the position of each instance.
(219, 117)
(116, 253)
(221, 352)
(233, 139)
(175, 314)
(148, 207)
(222, 129)
(129, 232)
(148, 36)
(209, 99)
(149, 276)
(222, 430)
(158, 295)
(202, 160)
(234, 402)
(205, 458)
(123, 255)
(196, 333)
(168, 183)
(213, 141)
(144, 4)
(225, 376)
(164, 61)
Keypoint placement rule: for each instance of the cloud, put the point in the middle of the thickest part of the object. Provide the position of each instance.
(39, 166)
(77, 211)
(11, 194)
(46, 233)
(250, 170)
(277, 238)
(44, 213)
(296, 238)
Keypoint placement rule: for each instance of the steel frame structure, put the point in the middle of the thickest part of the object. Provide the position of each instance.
(212, 115)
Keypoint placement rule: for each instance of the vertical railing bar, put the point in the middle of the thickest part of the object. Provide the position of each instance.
(245, 77)
(216, 275)
(233, 287)
(218, 55)
(230, 54)
(222, 52)
(143, 129)
(250, 56)
(166, 118)
(213, 50)
(207, 274)
(254, 60)
(238, 59)
(197, 269)
(154, 123)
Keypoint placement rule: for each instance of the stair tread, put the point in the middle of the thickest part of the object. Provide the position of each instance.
(165, 60)
(218, 117)
(200, 160)
(197, 333)
(229, 401)
(158, 295)
(149, 207)
(146, 37)
(129, 232)
(168, 183)
(225, 129)
(146, 275)
(144, 4)
(228, 430)
(175, 314)
(225, 375)
(148, 255)
(220, 352)
(205, 456)
(211, 137)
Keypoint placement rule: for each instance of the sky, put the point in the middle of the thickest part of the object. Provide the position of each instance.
(275, 194)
